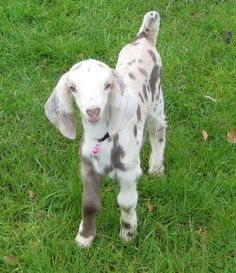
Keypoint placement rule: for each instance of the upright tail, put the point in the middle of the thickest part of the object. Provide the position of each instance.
(150, 26)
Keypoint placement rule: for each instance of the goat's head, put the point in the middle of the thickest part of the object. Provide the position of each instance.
(98, 91)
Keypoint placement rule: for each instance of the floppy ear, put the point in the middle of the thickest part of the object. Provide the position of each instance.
(58, 108)
(123, 105)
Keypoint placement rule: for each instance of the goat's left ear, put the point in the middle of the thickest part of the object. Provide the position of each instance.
(123, 105)
(58, 108)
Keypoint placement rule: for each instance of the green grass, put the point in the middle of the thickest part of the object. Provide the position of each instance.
(193, 228)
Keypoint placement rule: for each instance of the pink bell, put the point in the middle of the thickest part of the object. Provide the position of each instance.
(96, 149)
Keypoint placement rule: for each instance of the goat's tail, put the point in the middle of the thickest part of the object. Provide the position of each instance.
(150, 26)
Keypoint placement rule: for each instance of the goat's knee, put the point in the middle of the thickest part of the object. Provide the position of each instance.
(127, 200)
(91, 205)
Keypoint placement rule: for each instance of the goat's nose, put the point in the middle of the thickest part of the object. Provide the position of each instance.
(93, 112)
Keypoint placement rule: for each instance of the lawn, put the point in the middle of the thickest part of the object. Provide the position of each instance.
(187, 219)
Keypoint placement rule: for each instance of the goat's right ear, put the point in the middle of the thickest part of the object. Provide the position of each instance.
(58, 108)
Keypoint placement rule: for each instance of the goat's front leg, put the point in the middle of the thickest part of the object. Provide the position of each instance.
(127, 200)
(90, 204)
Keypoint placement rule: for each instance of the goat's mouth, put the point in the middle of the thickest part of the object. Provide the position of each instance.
(93, 120)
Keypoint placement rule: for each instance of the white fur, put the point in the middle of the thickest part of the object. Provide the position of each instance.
(82, 241)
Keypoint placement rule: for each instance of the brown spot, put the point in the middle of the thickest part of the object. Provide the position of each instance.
(91, 200)
(161, 134)
(142, 71)
(135, 130)
(117, 153)
(161, 130)
(140, 61)
(159, 85)
(125, 224)
(152, 54)
(130, 233)
(141, 35)
(158, 94)
(101, 65)
(131, 75)
(153, 80)
(141, 97)
(131, 62)
(139, 117)
(145, 92)
(108, 169)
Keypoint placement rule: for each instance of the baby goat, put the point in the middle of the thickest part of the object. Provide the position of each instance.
(115, 106)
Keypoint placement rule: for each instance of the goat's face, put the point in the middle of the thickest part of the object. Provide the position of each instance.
(98, 91)
(90, 83)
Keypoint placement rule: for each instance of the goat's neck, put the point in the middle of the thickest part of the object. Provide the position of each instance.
(95, 131)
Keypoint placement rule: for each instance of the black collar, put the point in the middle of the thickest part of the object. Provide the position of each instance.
(104, 137)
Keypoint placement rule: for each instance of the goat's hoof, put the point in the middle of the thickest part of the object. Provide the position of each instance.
(157, 170)
(127, 234)
(83, 241)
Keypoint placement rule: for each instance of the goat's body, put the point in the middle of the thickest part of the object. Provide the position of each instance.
(123, 103)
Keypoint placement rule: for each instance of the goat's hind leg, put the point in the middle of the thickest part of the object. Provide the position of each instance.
(127, 200)
(157, 133)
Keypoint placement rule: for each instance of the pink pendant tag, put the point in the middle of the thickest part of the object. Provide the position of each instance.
(96, 149)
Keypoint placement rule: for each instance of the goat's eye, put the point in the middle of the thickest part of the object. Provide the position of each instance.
(72, 89)
(108, 86)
